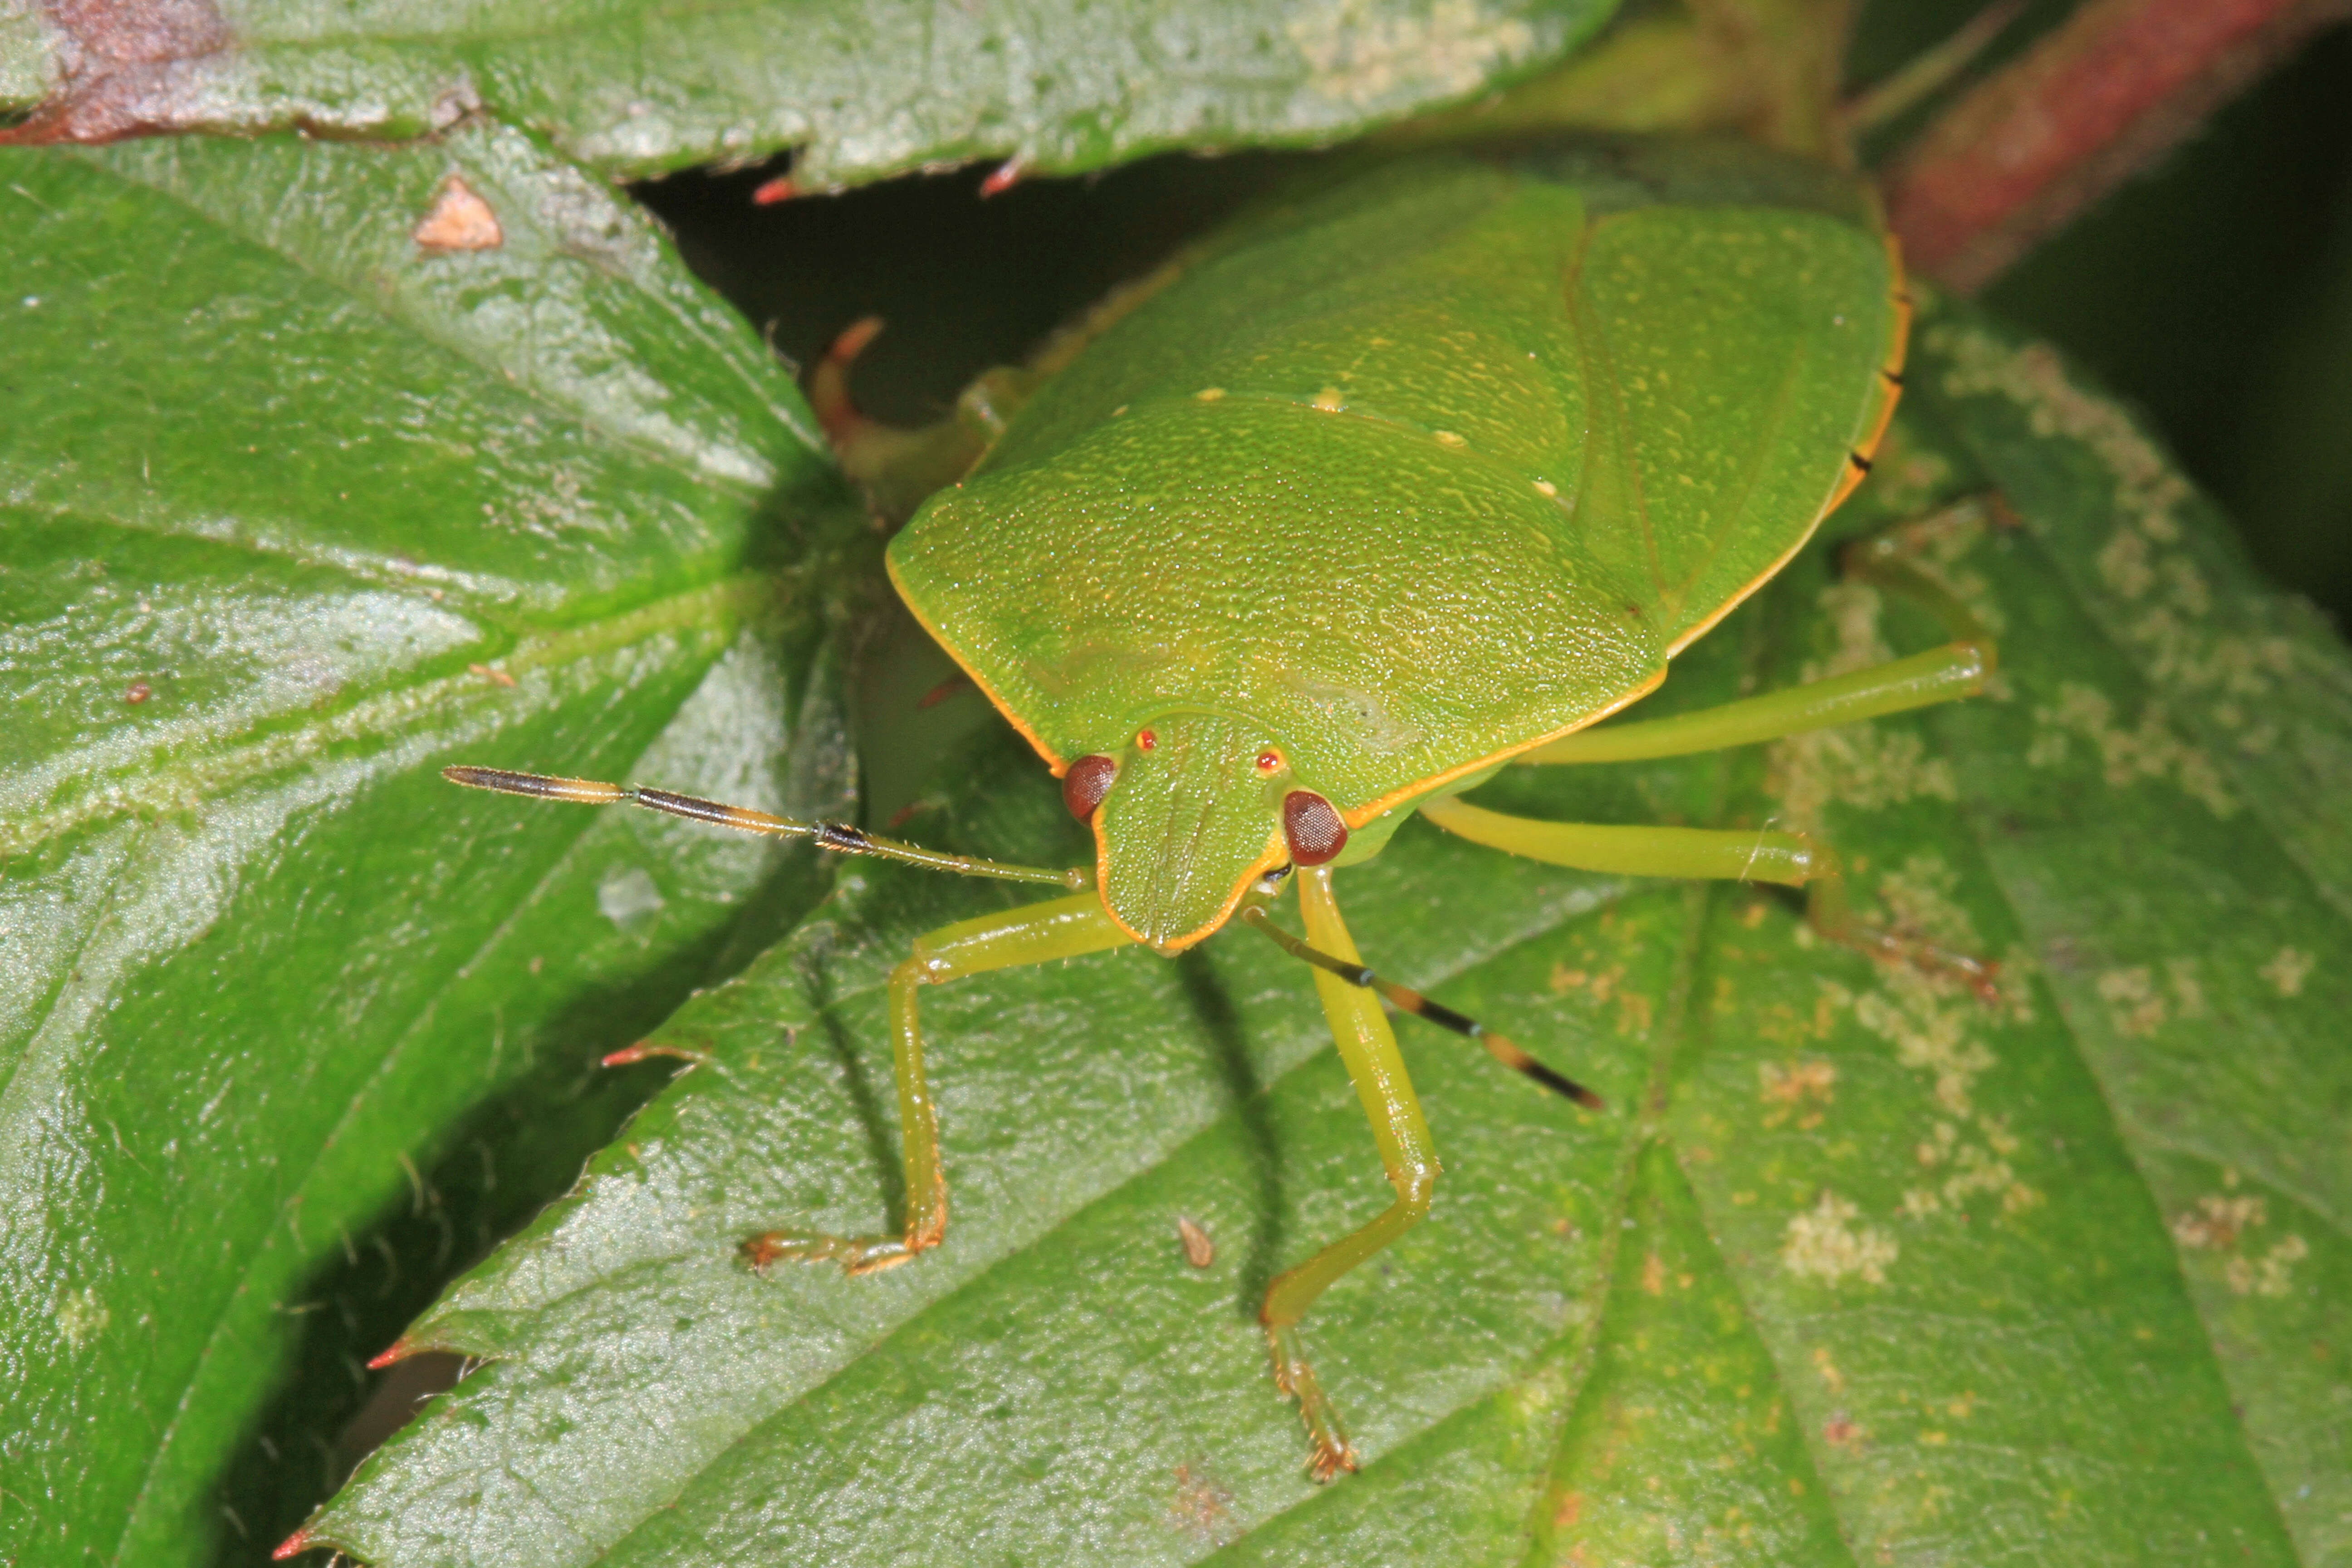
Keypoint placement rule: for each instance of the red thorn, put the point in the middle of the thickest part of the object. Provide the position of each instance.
(399, 1348)
(944, 690)
(829, 384)
(853, 340)
(298, 1542)
(771, 191)
(643, 1049)
(1003, 178)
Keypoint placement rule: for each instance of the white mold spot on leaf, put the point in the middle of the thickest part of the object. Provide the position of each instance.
(2133, 1005)
(2287, 970)
(1824, 1243)
(2147, 490)
(1934, 1021)
(2137, 1006)
(2222, 1223)
(1930, 1034)
(1918, 900)
(81, 1318)
(1606, 984)
(2149, 750)
(2165, 599)
(626, 896)
(1359, 56)
(2271, 1274)
(1969, 1171)
(1785, 1090)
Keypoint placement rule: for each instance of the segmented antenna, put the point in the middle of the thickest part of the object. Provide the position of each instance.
(1406, 1000)
(836, 837)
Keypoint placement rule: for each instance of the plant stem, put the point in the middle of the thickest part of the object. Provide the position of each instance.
(2100, 99)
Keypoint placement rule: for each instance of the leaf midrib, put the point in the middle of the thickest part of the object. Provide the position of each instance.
(391, 711)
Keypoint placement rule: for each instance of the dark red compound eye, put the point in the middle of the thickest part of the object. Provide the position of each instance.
(1312, 826)
(1083, 787)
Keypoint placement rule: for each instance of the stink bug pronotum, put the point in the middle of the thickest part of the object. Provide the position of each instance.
(1390, 486)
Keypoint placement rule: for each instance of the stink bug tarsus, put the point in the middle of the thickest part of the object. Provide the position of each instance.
(1324, 523)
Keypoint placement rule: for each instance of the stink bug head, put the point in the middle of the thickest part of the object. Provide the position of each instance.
(1189, 823)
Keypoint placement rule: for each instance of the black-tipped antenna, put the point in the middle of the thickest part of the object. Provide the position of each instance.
(836, 837)
(1406, 1000)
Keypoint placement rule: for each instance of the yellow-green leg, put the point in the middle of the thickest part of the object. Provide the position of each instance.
(1060, 928)
(1730, 854)
(1922, 680)
(1369, 1051)
(1957, 669)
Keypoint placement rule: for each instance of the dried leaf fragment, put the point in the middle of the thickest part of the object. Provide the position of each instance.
(460, 220)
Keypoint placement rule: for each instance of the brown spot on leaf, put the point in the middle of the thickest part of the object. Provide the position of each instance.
(1837, 1431)
(1203, 1506)
(127, 69)
(140, 691)
(460, 220)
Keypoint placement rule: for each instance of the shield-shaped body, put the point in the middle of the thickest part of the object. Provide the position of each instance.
(1400, 479)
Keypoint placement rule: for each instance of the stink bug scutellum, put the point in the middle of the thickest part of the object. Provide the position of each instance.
(1391, 485)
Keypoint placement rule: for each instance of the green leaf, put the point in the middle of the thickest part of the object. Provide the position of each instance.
(1858, 1267)
(296, 510)
(865, 89)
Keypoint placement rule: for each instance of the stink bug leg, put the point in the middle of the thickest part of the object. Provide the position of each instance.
(897, 469)
(1059, 928)
(1706, 853)
(1370, 1050)
(1957, 669)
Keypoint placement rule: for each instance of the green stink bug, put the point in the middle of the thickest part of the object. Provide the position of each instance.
(1415, 477)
